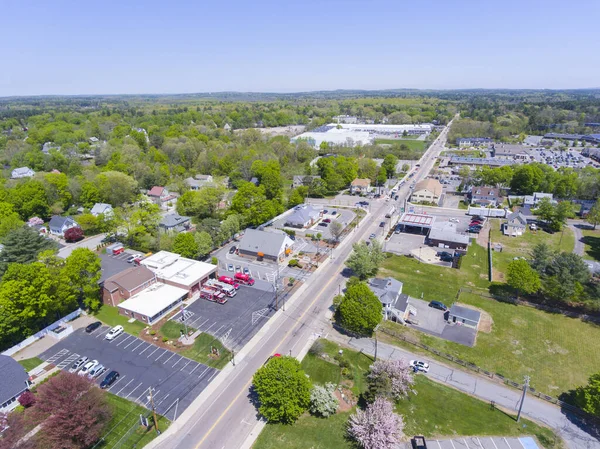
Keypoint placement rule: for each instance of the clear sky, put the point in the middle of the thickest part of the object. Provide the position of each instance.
(180, 46)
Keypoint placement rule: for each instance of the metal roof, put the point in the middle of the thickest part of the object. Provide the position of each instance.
(464, 312)
(268, 243)
(416, 220)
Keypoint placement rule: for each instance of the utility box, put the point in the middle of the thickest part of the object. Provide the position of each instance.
(418, 442)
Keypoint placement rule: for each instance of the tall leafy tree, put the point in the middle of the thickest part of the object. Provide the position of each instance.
(389, 163)
(22, 245)
(365, 259)
(185, 245)
(377, 427)
(593, 216)
(9, 219)
(360, 309)
(522, 277)
(588, 397)
(83, 270)
(283, 390)
(201, 203)
(204, 243)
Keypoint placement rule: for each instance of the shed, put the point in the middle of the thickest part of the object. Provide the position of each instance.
(464, 316)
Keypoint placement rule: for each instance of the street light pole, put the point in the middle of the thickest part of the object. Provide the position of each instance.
(154, 412)
(525, 387)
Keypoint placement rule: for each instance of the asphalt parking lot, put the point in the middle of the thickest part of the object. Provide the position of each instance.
(403, 243)
(111, 265)
(176, 380)
(238, 319)
(343, 216)
(479, 443)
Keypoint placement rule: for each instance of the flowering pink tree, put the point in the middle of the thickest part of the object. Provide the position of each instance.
(390, 378)
(377, 427)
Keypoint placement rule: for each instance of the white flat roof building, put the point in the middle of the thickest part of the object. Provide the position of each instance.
(336, 137)
(152, 303)
(176, 270)
(423, 127)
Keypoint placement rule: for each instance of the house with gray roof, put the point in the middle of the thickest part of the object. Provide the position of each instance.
(59, 225)
(303, 180)
(271, 245)
(14, 381)
(515, 225)
(464, 316)
(22, 172)
(174, 223)
(102, 208)
(534, 200)
(445, 235)
(395, 304)
(303, 216)
(199, 181)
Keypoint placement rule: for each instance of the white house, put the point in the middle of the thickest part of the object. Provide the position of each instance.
(22, 172)
(102, 208)
(14, 381)
(59, 225)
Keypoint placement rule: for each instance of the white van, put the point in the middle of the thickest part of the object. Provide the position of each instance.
(114, 333)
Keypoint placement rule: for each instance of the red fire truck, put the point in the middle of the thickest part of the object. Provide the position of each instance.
(230, 281)
(244, 279)
(213, 294)
(229, 290)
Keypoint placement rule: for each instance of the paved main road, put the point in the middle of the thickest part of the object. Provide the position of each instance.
(227, 416)
(89, 242)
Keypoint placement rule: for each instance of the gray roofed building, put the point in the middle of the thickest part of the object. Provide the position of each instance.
(174, 222)
(270, 245)
(516, 224)
(445, 235)
(303, 217)
(102, 208)
(199, 181)
(22, 172)
(303, 180)
(393, 301)
(58, 225)
(464, 316)
(14, 380)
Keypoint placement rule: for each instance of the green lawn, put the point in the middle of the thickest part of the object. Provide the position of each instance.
(110, 315)
(591, 241)
(523, 341)
(200, 351)
(439, 411)
(31, 363)
(429, 282)
(126, 415)
(436, 410)
(523, 245)
(418, 145)
(171, 329)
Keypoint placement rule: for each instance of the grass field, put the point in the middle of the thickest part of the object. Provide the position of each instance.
(200, 351)
(418, 145)
(110, 315)
(171, 329)
(31, 363)
(591, 242)
(523, 245)
(435, 410)
(126, 416)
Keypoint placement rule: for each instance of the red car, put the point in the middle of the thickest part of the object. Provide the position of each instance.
(476, 222)
(327, 220)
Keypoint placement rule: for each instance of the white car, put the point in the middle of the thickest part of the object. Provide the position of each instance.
(87, 368)
(96, 370)
(114, 333)
(78, 364)
(419, 365)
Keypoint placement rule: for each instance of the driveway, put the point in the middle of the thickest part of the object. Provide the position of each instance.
(90, 243)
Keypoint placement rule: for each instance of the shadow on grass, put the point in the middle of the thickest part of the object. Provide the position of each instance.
(594, 243)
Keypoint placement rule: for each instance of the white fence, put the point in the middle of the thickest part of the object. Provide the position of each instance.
(42, 333)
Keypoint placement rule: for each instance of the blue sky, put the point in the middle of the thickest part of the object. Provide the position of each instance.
(179, 46)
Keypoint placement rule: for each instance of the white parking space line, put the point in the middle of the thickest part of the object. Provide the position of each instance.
(66, 362)
(206, 330)
(137, 346)
(156, 359)
(217, 331)
(145, 349)
(452, 443)
(173, 355)
(213, 375)
(189, 361)
(162, 400)
(118, 380)
(506, 441)
(200, 376)
(479, 441)
(123, 340)
(101, 331)
(493, 442)
(195, 368)
(119, 392)
(141, 394)
(132, 342)
(203, 323)
(180, 359)
(131, 392)
(60, 354)
(519, 439)
(148, 356)
(465, 441)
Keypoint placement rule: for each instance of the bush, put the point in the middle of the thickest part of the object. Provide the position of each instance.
(378, 427)
(392, 379)
(214, 260)
(165, 339)
(73, 234)
(342, 362)
(294, 263)
(27, 399)
(316, 348)
(322, 400)
(152, 332)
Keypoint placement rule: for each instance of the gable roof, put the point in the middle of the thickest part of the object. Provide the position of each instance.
(101, 208)
(156, 191)
(361, 182)
(22, 171)
(269, 243)
(129, 279)
(57, 222)
(387, 290)
(464, 312)
(517, 216)
(13, 378)
(486, 191)
(433, 185)
(172, 220)
(303, 215)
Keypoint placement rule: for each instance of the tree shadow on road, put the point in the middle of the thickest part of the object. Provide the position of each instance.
(587, 423)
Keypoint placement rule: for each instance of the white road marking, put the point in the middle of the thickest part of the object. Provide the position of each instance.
(132, 342)
(465, 441)
(180, 359)
(479, 441)
(173, 355)
(101, 331)
(452, 443)
(439, 445)
(200, 376)
(521, 442)
(149, 346)
(118, 380)
(160, 355)
(195, 367)
(493, 442)
(506, 441)
(213, 375)
(203, 323)
(118, 392)
(191, 362)
(206, 330)
(131, 392)
(123, 340)
(148, 356)
(137, 346)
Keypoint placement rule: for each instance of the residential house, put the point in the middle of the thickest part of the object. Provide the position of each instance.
(14, 381)
(102, 208)
(22, 172)
(395, 304)
(515, 225)
(485, 196)
(59, 225)
(254, 180)
(199, 181)
(49, 146)
(272, 245)
(174, 223)
(93, 139)
(38, 224)
(303, 216)
(534, 200)
(428, 190)
(160, 195)
(303, 180)
(227, 127)
(360, 186)
(446, 235)
(464, 316)
(126, 284)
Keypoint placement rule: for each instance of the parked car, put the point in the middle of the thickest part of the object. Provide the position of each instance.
(333, 212)
(109, 239)
(325, 211)
(438, 305)
(446, 256)
(109, 379)
(474, 230)
(78, 364)
(96, 371)
(130, 259)
(238, 269)
(327, 220)
(476, 222)
(382, 224)
(419, 365)
(323, 224)
(372, 236)
(87, 368)
(92, 327)
(230, 267)
(246, 270)
(232, 249)
(533, 227)
(114, 333)
(396, 198)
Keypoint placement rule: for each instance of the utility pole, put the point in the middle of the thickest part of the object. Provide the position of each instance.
(375, 347)
(154, 412)
(525, 387)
